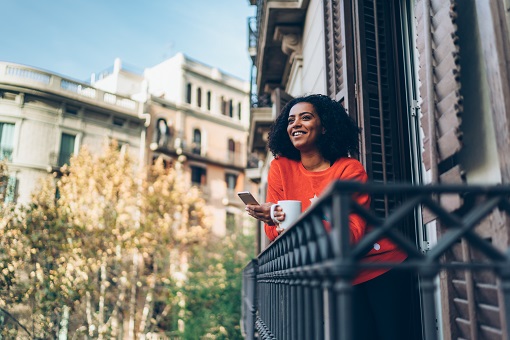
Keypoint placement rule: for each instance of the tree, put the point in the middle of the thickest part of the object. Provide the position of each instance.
(213, 288)
(95, 248)
(112, 250)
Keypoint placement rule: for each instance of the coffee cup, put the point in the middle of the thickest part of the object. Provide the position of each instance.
(292, 210)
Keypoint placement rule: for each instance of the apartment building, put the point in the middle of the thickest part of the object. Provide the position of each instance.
(45, 118)
(181, 110)
(200, 117)
(427, 81)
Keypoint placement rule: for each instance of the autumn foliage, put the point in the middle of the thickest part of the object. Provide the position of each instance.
(110, 250)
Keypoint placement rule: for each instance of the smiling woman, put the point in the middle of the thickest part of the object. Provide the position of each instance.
(312, 141)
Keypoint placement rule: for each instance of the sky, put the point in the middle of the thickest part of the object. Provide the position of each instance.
(75, 38)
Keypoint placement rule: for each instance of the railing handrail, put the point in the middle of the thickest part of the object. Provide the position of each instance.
(306, 250)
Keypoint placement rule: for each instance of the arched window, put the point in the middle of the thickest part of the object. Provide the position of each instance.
(197, 142)
(161, 133)
(188, 93)
(199, 97)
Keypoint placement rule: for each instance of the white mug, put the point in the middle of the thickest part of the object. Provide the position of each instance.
(292, 210)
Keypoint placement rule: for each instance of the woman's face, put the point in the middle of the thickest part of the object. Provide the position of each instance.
(304, 127)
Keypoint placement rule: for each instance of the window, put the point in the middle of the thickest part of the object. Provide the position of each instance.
(231, 180)
(209, 100)
(72, 110)
(117, 121)
(197, 142)
(8, 186)
(199, 97)
(224, 106)
(239, 111)
(231, 150)
(161, 133)
(66, 149)
(230, 221)
(6, 141)
(188, 93)
(231, 108)
(198, 175)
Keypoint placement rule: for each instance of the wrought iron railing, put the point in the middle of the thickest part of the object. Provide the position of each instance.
(309, 266)
(249, 299)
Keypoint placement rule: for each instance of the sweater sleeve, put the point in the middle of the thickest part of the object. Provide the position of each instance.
(274, 194)
(357, 225)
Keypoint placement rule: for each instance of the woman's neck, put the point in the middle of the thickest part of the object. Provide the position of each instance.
(314, 162)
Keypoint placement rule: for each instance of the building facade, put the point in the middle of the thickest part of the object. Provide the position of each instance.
(45, 118)
(199, 116)
(428, 83)
(181, 110)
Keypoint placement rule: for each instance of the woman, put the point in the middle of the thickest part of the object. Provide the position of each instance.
(311, 141)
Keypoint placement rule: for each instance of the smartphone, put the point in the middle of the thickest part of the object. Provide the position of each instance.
(247, 197)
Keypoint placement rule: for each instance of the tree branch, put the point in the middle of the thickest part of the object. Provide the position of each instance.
(15, 320)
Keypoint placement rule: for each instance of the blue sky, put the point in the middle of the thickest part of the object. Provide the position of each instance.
(75, 38)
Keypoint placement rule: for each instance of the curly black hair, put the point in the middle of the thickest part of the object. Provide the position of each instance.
(340, 139)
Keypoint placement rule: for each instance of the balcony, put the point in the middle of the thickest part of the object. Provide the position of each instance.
(28, 77)
(176, 147)
(315, 267)
(275, 20)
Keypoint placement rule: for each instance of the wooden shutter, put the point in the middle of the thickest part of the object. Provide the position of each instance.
(339, 53)
(441, 105)
(382, 115)
(471, 301)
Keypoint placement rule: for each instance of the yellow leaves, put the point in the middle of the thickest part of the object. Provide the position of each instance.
(107, 210)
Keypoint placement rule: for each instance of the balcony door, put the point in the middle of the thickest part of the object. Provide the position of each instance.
(372, 76)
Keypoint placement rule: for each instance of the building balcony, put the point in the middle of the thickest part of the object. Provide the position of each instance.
(49, 84)
(278, 30)
(299, 287)
(176, 147)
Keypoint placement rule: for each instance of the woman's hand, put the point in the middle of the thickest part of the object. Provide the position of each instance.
(262, 212)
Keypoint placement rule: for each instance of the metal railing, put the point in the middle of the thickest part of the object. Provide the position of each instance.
(309, 266)
(249, 298)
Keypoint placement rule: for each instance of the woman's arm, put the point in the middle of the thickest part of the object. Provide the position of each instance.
(357, 225)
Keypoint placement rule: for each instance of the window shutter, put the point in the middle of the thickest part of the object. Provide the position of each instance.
(440, 89)
(382, 118)
(339, 53)
(471, 301)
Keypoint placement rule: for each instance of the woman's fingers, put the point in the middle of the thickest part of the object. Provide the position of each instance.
(262, 212)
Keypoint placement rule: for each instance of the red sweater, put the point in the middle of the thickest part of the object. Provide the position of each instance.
(289, 179)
